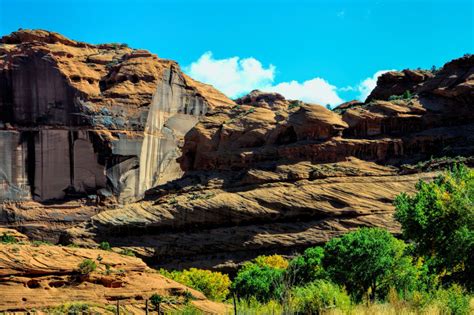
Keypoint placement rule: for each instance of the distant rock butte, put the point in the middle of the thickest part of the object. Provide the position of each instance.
(222, 181)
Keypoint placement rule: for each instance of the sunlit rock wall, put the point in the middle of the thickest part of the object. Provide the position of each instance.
(173, 112)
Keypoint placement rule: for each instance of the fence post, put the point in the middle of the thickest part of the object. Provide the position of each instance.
(235, 303)
(118, 307)
(146, 306)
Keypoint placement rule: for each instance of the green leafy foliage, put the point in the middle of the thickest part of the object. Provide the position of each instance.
(318, 296)
(439, 219)
(368, 261)
(8, 239)
(104, 246)
(453, 300)
(127, 252)
(272, 261)
(261, 282)
(405, 96)
(87, 266)
(214, 285)
(308, 266)
(156, 301)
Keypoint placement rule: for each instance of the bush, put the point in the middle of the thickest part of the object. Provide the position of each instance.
(127, 252)
(262, 283)
(307, 267)
(156, 301)
(405, 96)
(104, 246)
(369, 261)
(273, 261)
(87, 266)
(214, 285)
(453, 300)
(439, 219)
(318, 296)
(8, 238)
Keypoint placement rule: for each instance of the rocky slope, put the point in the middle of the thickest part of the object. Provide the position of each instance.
(39, 276)
(225, 181)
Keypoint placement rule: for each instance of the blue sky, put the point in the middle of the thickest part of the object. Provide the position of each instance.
(320, 51)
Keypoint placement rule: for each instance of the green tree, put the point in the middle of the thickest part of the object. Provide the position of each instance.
(261, 282)
(439, 219)
(308, 266)
(368, 261)
(156, 301)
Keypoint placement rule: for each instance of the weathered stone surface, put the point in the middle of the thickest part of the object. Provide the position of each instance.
(37, 277)
(261, 178)
(88, 117)
(235, 218)
(398, 82)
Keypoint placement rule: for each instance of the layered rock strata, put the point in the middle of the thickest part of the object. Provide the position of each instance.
(79, 119)
(40, 277)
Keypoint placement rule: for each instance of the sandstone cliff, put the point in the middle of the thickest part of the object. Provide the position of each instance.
(78, 119)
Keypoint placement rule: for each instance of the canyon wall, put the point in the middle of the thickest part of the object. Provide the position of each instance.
(107, 143)
(79, 119)
(271, 175)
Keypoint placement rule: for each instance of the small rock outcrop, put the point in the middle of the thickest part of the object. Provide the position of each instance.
(40, 276)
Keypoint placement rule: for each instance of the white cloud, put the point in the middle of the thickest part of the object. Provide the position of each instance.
(316, 90)
(366, 86)
(236, 76)
(341, 14)
(233, 76)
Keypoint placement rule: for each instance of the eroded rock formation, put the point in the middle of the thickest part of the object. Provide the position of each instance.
(271, 175)
(261, 175)
(79, 119)
(39, 276)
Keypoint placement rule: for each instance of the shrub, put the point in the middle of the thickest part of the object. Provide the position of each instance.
(405, 96)
(318, 296)
(439, 219)
(254, 307)
(214, 285)
(273, 261)
(308, 266)
(71, 308)
(8, 238)
(87, 266)
(262, 283)
(127, 252)
(104, 246)
(453, 300)
(156, 301)
(368, 261)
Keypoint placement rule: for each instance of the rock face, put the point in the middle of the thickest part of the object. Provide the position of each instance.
(261, 175)
(36, 276)
(271, 175)
(79, 119)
